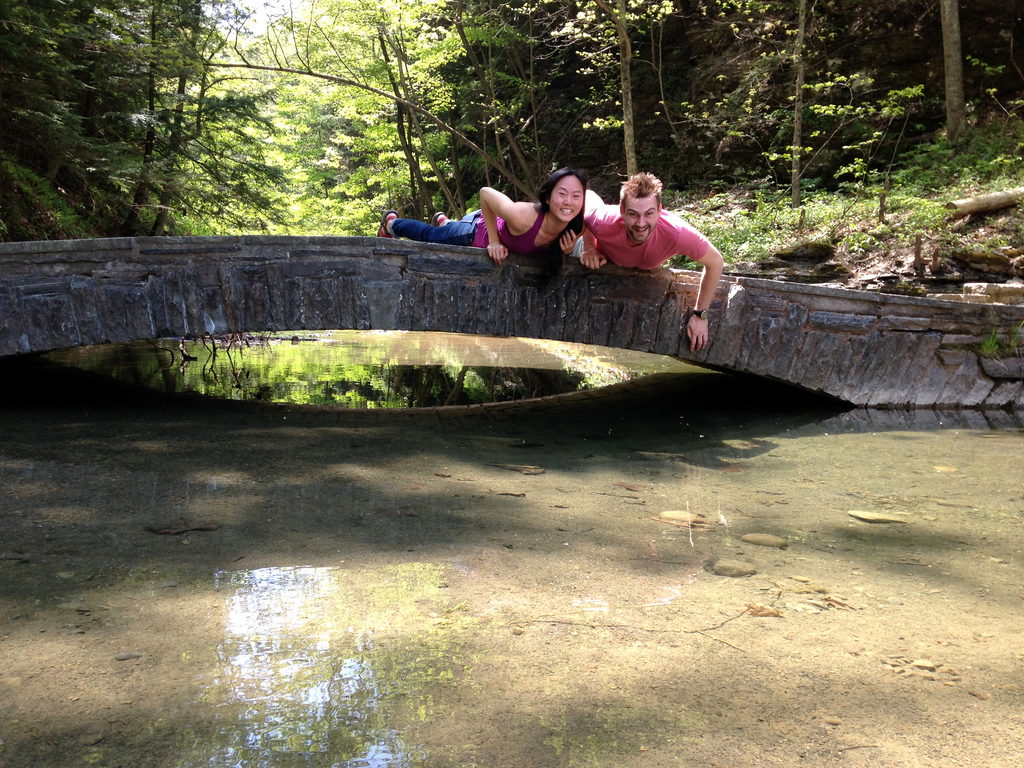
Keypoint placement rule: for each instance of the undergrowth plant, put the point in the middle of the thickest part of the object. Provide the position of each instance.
(750, 225)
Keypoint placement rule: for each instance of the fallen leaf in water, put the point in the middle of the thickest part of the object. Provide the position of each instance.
(828, 601)
(763, 611)
(182, 526)
(874, 517)
(681, 514)
(692, 523)
(629, 486)
(526, 469)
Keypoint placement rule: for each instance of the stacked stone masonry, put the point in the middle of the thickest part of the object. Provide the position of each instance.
(864, 348)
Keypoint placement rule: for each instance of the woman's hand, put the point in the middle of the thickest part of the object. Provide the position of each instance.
(568, 241)
(497, 251)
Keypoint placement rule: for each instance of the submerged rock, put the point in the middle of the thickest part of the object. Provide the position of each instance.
(765, 540)
(733, 568)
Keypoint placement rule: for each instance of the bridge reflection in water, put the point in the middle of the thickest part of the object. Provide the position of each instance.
(367, 369)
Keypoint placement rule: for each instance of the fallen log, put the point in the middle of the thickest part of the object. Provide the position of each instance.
(983, 203)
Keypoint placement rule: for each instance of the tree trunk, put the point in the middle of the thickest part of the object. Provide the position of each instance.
(132, 222)
(618, 19)
(798, 106)
(952, 56)
(983, 203)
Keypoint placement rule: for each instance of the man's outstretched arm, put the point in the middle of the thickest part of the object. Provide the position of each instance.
(697, 327)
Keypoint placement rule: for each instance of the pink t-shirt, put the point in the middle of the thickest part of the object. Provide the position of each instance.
(672, 236)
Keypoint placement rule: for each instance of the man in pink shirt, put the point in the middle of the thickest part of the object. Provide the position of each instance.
(638, 233)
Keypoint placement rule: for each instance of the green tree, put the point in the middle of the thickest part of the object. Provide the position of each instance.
(113, 123)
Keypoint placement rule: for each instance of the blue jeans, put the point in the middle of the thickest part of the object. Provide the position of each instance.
(459, 232)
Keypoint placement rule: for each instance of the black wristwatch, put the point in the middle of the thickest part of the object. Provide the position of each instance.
(701, 313)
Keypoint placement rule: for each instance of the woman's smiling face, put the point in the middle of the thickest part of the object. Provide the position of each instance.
(566, 200)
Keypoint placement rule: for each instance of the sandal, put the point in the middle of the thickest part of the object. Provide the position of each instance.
(439, 219)
(386, 217)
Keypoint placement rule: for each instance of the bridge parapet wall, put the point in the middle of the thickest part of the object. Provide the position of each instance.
(867, 349)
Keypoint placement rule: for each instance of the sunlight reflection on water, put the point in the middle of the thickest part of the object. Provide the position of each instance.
(297, 678)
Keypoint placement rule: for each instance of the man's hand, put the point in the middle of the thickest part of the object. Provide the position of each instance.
(697, 332)
(497, 251)
(592, 259)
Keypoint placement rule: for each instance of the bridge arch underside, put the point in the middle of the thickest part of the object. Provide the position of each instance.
(864, 349)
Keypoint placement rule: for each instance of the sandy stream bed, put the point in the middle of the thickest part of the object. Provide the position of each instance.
(464, 609)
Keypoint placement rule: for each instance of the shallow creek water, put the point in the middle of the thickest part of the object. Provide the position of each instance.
(192, 583)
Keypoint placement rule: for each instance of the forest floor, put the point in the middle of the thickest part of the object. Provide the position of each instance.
(979, 249)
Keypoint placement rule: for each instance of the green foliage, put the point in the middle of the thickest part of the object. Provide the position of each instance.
(117, 125)
(991, 156)
(122, 117)
(756, 222)
(33, 209)
(1003, 345)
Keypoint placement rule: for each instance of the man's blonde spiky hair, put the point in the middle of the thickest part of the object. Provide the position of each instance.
(641, 185)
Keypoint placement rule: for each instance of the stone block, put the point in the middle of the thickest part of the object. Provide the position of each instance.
(48, 320)
(670, 332)
(1003, 368)
(600, 325)
(965, 386)
(762, 343)
(789, 345)
(812, 366)
(623, 324)
(576, 303)
(13, 331)
(847, 370)
(645, 326)
(438, 267)
(124, 312)
(841, 322)
(527, 314)
(84, 304)
(897, 323)
(1007, 394)
(727, 328)
(905, 359)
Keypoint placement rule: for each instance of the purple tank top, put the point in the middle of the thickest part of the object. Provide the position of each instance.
(523, 243)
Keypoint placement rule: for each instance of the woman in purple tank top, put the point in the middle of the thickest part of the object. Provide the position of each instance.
(550, 226)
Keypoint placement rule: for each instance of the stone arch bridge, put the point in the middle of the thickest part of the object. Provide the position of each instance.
(863, 348)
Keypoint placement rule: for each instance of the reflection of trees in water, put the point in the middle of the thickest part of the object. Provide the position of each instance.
(366, 385)
(381, 385)
(416, 386)
(248, 367)
(374, 385)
